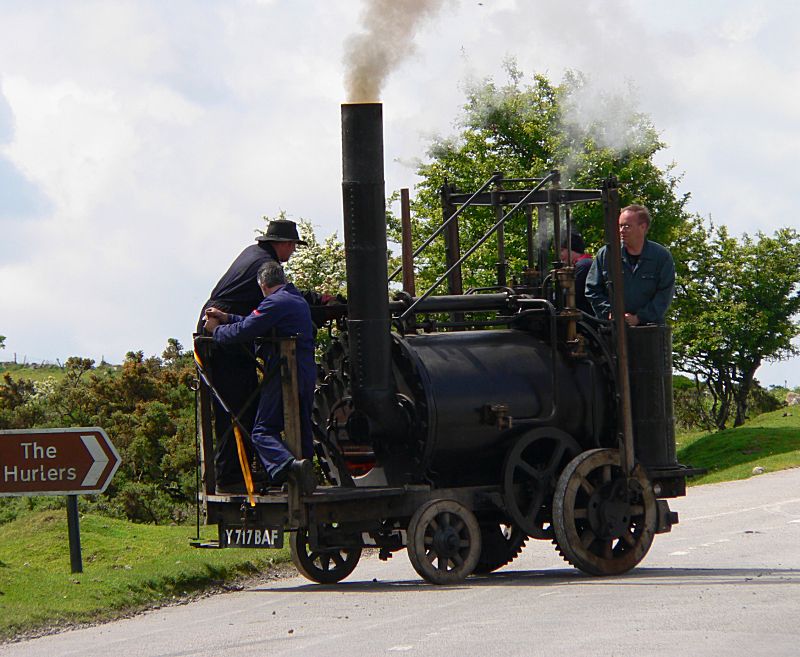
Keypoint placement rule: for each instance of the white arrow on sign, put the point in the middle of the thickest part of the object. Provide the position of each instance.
(100, 460)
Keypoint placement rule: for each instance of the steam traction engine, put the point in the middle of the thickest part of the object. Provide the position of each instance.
(515, 416)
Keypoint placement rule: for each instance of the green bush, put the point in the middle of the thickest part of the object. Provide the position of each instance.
(146, 407)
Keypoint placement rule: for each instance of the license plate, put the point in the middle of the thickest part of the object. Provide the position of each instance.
(251, 537)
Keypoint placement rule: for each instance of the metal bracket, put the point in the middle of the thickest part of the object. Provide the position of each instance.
(497, 415)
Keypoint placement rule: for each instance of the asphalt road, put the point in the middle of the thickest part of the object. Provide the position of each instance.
(725, 581)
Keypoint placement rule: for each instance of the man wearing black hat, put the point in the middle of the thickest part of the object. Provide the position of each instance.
(232, 367)
(573, 251)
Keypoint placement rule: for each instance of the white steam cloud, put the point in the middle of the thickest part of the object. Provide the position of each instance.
(612, 117)
(387, 39)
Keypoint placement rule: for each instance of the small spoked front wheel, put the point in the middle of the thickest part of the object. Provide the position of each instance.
(326, 565)
(444, 541)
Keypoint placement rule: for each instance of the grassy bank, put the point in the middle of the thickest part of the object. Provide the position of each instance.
(126, 567)
(770, 441)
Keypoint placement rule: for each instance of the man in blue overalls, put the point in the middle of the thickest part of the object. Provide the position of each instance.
(284, 312)
(648, 273)
(232, 368)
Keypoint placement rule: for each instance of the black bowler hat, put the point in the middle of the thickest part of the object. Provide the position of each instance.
(281, 230)
(575, 242)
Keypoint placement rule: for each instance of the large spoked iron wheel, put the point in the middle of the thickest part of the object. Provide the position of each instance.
(531, 470)
(604, 522)
(444, 541)
(322, 565)
(500, 545)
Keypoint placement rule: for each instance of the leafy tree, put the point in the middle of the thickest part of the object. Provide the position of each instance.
(2, 341)
(173, 352)
(736, 306)
(525, 130)
(693, 404)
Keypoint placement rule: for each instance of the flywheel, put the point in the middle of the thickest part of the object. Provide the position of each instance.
(531, 469)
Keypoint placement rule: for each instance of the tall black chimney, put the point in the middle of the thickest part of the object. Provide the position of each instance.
(377, 415)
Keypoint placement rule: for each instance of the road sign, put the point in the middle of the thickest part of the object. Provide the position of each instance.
(73, 461)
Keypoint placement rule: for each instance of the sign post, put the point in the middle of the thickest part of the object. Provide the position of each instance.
(74, 531)
(71, 462)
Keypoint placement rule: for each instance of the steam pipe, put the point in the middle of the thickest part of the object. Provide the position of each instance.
(455, 302)
(377, 414)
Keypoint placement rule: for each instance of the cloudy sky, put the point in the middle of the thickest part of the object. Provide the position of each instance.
(141, 141)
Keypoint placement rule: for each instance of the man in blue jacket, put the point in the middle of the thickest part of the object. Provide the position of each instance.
(282, 312)
(648, 273)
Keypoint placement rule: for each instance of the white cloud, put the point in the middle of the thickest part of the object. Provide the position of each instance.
(744, 23)
(68, 140)
(161, 132)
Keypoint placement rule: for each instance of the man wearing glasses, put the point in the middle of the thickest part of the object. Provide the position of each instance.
(647, 268)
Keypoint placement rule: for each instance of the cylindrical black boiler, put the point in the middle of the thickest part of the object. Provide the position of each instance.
(456, 378)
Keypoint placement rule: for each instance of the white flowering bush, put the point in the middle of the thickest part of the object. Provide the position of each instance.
(319, 266)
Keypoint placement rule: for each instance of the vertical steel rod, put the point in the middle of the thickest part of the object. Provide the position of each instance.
(207, 473)
(568, 238)
(617, 296)
(529, 235)
(455, 284)
(502, 273)
(542, 235)
(408, 247)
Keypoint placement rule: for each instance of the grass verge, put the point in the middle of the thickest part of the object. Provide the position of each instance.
(770, 441)
(126, 567)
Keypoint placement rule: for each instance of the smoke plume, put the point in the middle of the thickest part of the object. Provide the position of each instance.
(386, 40)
